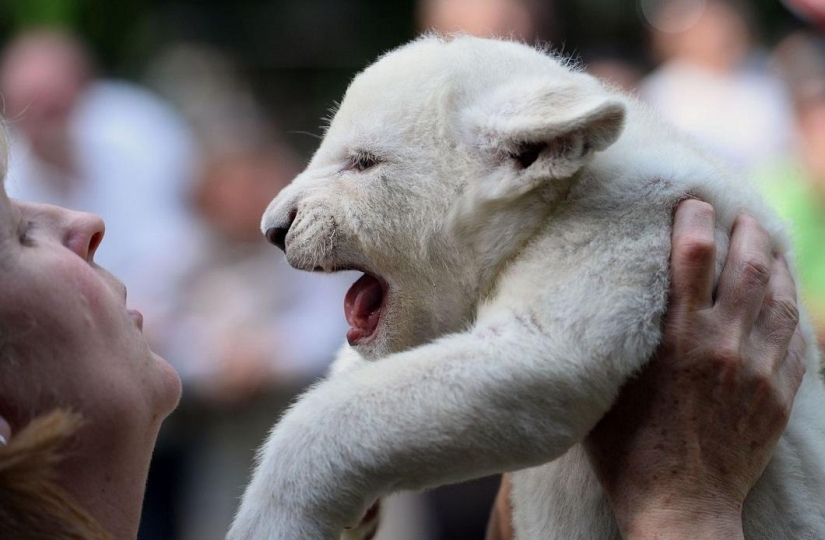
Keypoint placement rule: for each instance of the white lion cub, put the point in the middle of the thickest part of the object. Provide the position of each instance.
(512, 220)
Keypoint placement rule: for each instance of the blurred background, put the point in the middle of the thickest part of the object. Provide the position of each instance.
(178, 120)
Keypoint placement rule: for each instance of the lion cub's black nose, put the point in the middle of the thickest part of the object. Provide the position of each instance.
(277, 235)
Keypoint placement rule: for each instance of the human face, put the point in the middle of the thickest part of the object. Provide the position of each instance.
(68, 338)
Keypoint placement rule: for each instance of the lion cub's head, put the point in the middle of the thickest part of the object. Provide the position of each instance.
(443, 158)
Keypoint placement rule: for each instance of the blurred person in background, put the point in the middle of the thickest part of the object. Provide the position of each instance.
(251, 332)
(103, 146)
(115, 149)
(712, 82)
(524, 20)
(795, 184)
(810, 10)
(615, 70)
(483, 18)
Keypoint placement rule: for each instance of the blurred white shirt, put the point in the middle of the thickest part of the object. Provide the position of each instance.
(744, 117)
(134, 159)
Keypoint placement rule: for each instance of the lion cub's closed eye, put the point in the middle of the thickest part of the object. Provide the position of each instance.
(362, 161)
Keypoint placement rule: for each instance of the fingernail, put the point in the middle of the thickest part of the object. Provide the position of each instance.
(3, 441)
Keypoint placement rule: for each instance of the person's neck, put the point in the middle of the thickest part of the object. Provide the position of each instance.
(110, 484)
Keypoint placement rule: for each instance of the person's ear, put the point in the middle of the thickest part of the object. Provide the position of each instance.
(541, 130)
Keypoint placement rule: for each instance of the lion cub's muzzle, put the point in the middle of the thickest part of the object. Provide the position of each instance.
(277, 233)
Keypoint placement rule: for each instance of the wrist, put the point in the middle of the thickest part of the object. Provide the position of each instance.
(680, 520)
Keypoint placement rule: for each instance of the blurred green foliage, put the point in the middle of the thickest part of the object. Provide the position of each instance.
(108, 26)
(40, 12)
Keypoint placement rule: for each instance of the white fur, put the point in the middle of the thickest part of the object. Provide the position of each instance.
(520, 299)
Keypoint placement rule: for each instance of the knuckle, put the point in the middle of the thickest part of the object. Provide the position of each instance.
(763, 382)
(728, 354)
(763, 386)
(696, 248)
(785, 310)
(755, 271)
(782, 414)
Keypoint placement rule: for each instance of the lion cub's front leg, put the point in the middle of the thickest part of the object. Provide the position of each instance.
(348, 360)
(501, 397)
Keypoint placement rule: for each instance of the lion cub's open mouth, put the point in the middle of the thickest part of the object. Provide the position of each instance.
(363, 305)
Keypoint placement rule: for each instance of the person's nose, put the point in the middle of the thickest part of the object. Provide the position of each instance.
(83, 234)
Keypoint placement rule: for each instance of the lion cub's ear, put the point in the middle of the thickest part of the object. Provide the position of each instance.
(544, 129)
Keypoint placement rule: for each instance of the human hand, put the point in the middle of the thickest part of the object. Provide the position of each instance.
(682, 447)
(500, 526)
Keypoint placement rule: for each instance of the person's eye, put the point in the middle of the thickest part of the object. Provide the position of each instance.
(363, 161)
(25, 234)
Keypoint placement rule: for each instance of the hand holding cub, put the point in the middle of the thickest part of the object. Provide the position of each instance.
(688, 438)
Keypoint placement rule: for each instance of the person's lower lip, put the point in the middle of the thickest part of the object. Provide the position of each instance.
(136, 316)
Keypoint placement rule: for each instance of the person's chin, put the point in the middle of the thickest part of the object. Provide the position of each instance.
(169, 391)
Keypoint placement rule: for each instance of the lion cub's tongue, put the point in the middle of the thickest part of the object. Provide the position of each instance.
(362, 307)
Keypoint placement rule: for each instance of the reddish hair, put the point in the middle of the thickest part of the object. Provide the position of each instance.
(32, 505)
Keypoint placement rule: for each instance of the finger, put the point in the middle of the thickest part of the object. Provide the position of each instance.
(779, 314)
(745, 276)
(790, 372)
(693, 255)
(794, 366)
(500, 526)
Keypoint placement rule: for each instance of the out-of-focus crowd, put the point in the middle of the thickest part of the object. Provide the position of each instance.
(182, 166)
